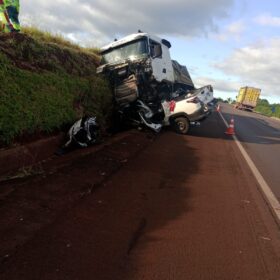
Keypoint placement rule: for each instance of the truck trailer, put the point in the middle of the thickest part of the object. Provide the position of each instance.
(247, 98)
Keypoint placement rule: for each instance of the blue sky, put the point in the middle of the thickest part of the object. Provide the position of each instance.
(254, 22)
(226, 43)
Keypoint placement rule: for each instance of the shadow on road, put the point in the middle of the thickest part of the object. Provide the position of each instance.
(86, 218)
(166, 175)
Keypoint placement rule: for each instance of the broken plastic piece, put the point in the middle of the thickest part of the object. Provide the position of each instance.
(83, 133)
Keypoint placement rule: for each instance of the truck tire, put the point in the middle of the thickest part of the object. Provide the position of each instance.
(181, 125)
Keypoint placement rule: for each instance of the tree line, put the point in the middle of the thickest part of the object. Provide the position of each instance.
(265, 108)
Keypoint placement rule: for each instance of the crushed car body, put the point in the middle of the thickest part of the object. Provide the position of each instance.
(205, 94)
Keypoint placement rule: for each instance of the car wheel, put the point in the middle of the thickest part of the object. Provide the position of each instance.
(181, 125)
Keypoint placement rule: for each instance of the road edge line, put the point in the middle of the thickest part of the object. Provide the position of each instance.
(268, 194)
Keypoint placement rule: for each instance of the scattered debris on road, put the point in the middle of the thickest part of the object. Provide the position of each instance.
(83, 133)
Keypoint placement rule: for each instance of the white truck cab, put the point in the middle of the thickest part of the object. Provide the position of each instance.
(161, 60)
(138, 66)
(140, 45)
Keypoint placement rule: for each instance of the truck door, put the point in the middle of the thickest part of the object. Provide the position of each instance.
(159, 69)
(167, 62)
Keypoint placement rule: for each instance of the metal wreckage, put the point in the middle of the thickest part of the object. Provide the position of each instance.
(149, 87)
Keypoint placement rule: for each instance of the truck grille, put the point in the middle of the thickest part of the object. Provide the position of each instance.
(127, 91)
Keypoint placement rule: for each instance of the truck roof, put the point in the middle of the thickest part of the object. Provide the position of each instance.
(130, 38)
(257, 89)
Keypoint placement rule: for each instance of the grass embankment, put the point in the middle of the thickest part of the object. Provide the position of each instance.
(267, 109)
(46, 83)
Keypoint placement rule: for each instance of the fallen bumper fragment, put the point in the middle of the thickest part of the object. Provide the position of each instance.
(82, 133)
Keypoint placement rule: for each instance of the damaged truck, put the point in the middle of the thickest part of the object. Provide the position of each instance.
(148, 85)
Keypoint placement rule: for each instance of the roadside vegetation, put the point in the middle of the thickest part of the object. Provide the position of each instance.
(265, 108)
(46, 83)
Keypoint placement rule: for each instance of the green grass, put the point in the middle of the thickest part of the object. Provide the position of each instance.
(48, 37)
(267, 109)
(58, 39)
(46, 83)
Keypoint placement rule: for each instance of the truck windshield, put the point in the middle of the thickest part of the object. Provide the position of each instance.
(132, 50)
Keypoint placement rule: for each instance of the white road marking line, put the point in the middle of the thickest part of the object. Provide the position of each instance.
(270, 197)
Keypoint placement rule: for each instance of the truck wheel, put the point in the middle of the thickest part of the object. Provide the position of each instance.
(181, 125)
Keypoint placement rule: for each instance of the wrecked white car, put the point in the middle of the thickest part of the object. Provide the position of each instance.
(184, 109)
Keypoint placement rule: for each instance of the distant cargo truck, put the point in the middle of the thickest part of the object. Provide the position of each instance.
(247, 98)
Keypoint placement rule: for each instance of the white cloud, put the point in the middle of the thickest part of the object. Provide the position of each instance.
(221, 85)
(268, 20)
(232, 31)
(256, 65)
(99, 21)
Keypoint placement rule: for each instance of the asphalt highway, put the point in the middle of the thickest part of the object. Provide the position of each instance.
(260, 136)
(142, 206)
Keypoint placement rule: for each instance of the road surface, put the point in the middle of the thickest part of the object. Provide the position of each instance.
(141, 207)
(260, 136)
